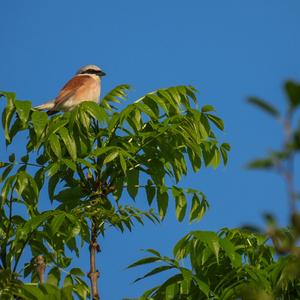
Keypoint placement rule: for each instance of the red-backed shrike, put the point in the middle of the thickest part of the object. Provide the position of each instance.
(84, 86)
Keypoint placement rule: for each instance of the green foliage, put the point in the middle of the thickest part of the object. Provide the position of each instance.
(237, 263)
(93, 160)
(280, 161)
(233, 264)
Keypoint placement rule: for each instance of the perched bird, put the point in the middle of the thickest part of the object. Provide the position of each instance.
(84, 86)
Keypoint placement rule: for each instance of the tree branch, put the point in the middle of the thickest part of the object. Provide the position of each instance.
(94, 273)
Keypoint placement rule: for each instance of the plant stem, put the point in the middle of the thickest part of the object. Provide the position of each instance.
(21, 251)
(289, 171)
(24, 164)
(40, 268)
(94, 273)
(5, 243)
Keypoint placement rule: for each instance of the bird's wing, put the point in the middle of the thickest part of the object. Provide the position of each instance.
(71, 87)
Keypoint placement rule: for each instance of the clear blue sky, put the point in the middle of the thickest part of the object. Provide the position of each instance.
(227, 49)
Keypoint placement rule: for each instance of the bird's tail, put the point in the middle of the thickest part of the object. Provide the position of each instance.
(46, 106)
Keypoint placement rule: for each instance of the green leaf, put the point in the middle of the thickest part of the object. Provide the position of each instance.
(54, 276)
(144, 261)
(53, 168)
(113, 123)
(30, 226)
(216, 158)
(55, 124)
(82, 291)
(132, 182)
(224, 148)
(77, 272)
(12, 158)
(56, 223)
(68, 194)
(111, 156)
(155, 271)
(7, 186)
(39, 178)
(10, 96)
(228, 246)
(53, 181)
(39, 121)
(70, 164)
(116, 94)
(68, 281)
(123, 164)
(208, 154)
(30, 291)
(101, 150)
(25, 158)
(23, 109)
(266, 163)
(55, 145)
(202, 130)
(194, 159)
(202, 286)
(27, 187)
(181, 203)
(169, 283)
(159, 101)
(162, 203)
(217, 121)
(147, 110)
(16, 128)
(210, 239)
(69, 142)
(293, 91)
(94, 110)
(156, 253)
(198, 208)
(119, 183)
(265, 106)
(6, 172)
(207, 108)
(66, 293)
(150, 191)
(181, 248)
(8, 113)
(3, 164)
(185, 284)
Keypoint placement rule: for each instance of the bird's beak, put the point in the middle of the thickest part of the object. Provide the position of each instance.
(101, 73)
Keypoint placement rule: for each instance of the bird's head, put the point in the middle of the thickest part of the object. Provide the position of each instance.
(91, 69)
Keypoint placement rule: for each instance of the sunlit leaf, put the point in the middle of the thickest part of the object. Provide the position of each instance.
(23, 109)
(39, 121)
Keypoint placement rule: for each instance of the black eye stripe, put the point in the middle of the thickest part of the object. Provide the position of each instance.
(91, 71)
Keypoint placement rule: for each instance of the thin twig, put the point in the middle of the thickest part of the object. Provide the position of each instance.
(288, 173)
(21, 251)
(23, 163)
(5, 244)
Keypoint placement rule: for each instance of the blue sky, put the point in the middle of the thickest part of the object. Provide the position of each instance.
(228, 50)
